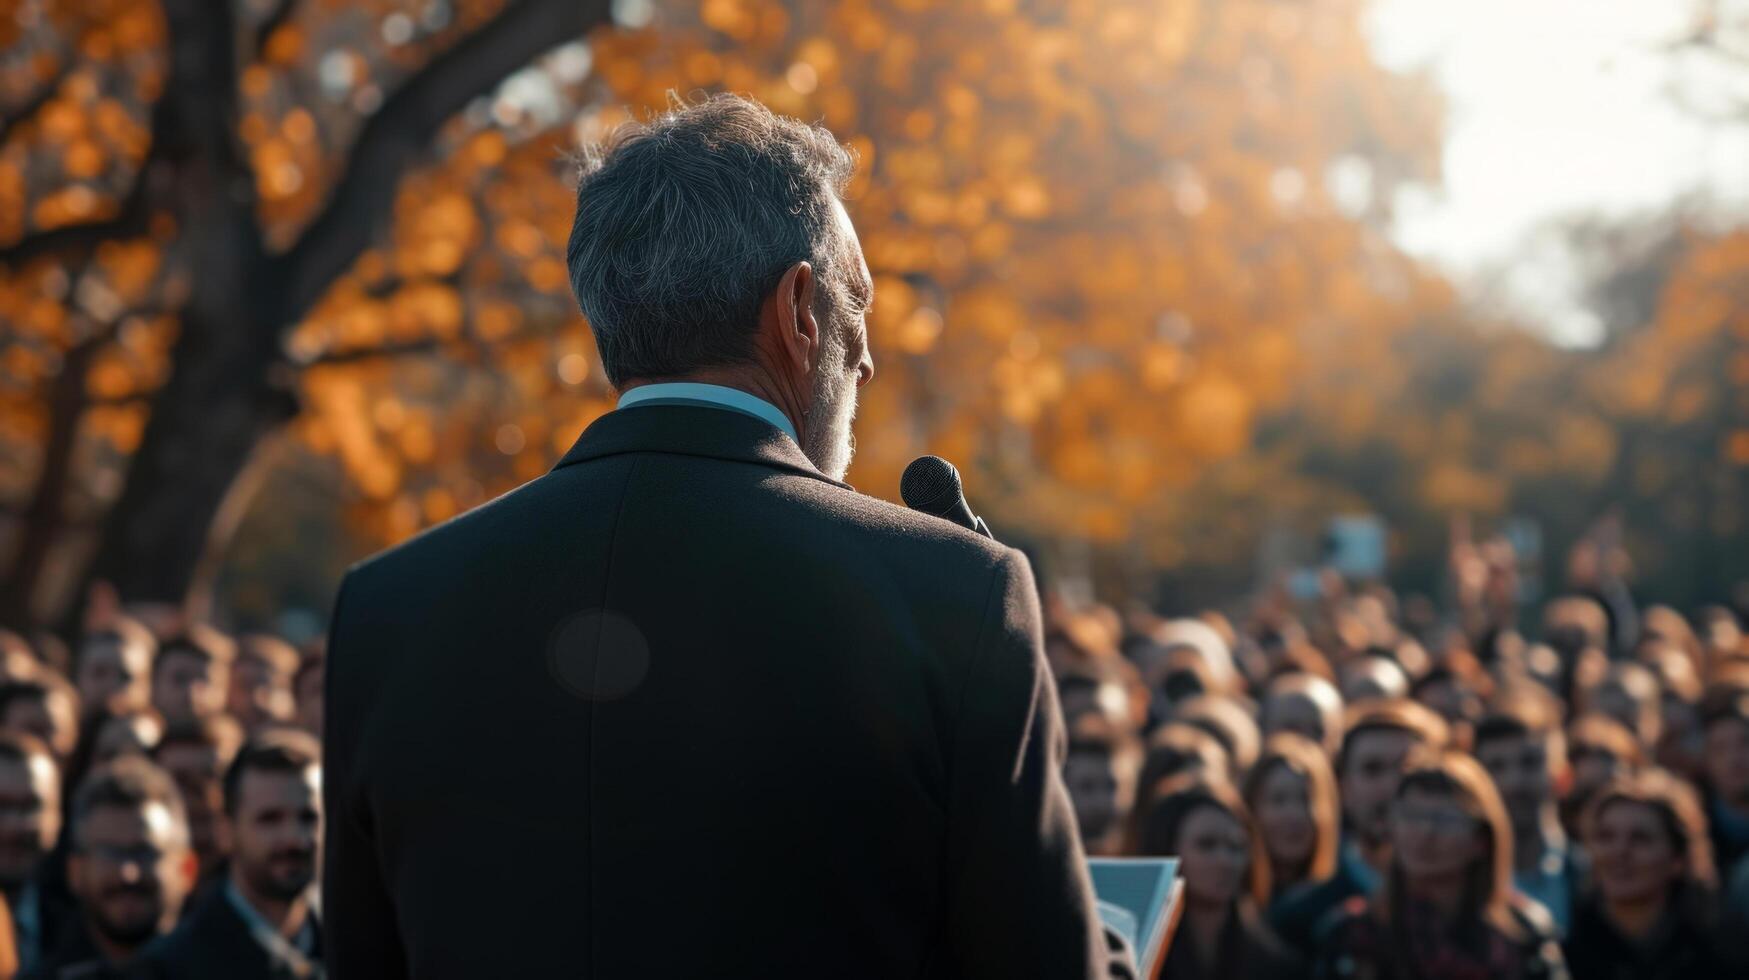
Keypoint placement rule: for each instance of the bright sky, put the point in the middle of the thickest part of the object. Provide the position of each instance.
(1556, 107)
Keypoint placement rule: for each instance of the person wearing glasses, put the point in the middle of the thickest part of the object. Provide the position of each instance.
(1446, 909)
(131, 868)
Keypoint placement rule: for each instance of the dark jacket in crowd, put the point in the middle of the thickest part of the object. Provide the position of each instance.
(74, 956)
(685, 707)
(1680, 948)
(1297, 915)
(1355, 944)
(1729, 833)
(1248, 949)
(216, 941)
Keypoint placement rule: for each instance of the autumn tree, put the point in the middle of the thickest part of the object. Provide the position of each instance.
(181, 183)
(1101, 237)
(1107, 236)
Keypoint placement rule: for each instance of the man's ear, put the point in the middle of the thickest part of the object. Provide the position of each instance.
(799, 331)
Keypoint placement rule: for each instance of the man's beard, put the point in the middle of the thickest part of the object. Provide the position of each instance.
(828, 443)
(285, 876)
(128, 932)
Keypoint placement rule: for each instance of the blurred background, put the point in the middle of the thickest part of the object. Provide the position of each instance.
(1203, 296)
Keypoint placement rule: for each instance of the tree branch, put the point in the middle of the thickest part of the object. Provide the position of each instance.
(36, 101)
(401, 132)
(282, 11)
(354, 355)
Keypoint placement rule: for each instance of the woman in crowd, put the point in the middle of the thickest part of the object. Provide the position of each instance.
(1203, 823)
(1292, 794)
(1649, 913)
(1445, 909)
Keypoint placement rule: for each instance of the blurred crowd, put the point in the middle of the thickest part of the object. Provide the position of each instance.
(160, 801)
(1359, 783)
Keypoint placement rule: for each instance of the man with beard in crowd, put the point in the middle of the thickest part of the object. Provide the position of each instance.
(131, 868)
(261, 923)
(114, 666)
(30, 820)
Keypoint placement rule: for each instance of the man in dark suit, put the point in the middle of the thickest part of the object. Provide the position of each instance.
(259, 923)
(688, 705)
(130, 868)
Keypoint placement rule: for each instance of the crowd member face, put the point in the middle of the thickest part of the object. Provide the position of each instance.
(1433, 838)
(1638, 713)
(1593, 765)
(1093, 788)
(1313, 710)
(1372, 678)
(310, 700)
(113, 672)
(1632, 858)
(30, 817)
(1682, 745)
(1293, 711)
(1284, 817)
(135, 734)
(131, 871)
(275, 833)
(1522, 771)
(187, 686)
(1085, 696)
(51, 718)
(195, 769)
(1214, 854)
(1370, 774)
(260, 693)
(1727, 760)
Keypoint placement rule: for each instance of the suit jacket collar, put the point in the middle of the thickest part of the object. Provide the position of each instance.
(693, 430)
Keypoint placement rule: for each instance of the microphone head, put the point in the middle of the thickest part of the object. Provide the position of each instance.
(931, 484)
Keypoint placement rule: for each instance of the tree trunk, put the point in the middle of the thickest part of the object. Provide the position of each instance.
(44, 518)
(230, 386)
(217, 406)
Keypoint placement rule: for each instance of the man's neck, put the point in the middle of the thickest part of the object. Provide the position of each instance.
(286, 916)
(1530, 843)
(753, 382)
(1376, 854)
(1206, 920)
(1635, 920)
(113, 952)
(1444, 894)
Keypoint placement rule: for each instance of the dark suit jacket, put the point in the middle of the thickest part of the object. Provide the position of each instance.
(685, 707)
(215, 941)
(1298, 916)
(1680, 948)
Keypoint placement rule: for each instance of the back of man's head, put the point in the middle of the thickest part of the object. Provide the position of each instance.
(686, 223)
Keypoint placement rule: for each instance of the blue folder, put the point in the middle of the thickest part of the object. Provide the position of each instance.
(1140, 900)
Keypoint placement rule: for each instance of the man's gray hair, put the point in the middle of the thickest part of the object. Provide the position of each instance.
(686, 223)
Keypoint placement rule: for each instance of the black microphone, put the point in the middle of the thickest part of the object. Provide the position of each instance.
(932, 485)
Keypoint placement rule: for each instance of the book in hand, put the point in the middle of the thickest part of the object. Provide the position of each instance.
(1140, 899)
